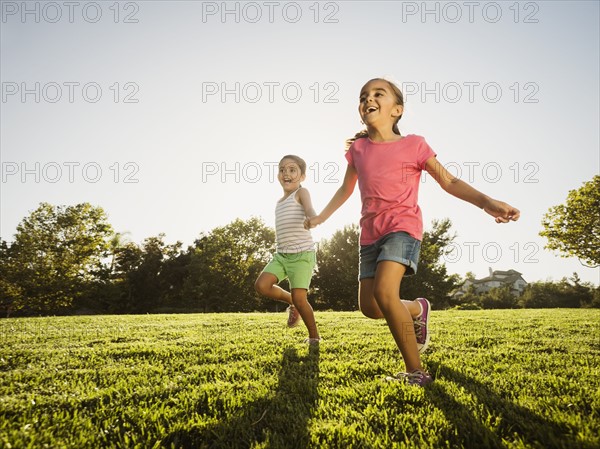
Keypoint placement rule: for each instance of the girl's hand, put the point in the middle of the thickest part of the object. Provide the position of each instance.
(501, 211)
(313, 222)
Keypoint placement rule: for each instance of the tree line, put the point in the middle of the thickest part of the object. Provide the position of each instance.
(69, 259)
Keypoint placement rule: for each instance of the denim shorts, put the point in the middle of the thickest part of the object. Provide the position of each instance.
(396, 246)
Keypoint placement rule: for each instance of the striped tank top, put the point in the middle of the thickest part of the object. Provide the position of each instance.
(290, 235)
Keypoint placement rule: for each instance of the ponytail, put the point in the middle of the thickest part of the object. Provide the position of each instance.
(358, 135)
(365, 133)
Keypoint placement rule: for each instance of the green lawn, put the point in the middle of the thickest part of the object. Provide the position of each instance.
(517, 378)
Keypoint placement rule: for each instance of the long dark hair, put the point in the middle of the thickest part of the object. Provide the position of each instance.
(399, 101)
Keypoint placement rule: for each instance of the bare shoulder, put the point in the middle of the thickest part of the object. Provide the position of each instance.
(301, 194)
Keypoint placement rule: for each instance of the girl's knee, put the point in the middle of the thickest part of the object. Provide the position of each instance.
(369, 308)
(262, 287)
(371, 312)
(299, 300)
(383, 296)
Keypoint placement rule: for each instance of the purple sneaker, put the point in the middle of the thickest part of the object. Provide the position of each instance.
(293, 316)
(418, 378)
(421, 325)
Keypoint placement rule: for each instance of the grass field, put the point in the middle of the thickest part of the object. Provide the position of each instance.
(516, 378)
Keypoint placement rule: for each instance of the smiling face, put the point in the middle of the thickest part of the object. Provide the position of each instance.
(290, 175)
(378, 104)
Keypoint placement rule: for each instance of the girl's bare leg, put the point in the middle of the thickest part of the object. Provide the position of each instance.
(369, 307)
(300, 301)
(380, 297)
(266, 285)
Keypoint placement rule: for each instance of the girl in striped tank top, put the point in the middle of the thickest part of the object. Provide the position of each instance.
(294, 258)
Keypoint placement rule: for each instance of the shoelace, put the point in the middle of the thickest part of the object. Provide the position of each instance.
(412, 378)
(419, 325)
(292, 312)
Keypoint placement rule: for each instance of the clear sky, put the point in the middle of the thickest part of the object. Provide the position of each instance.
(172, 115)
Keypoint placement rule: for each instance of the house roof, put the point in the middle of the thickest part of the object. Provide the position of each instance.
(505, 277)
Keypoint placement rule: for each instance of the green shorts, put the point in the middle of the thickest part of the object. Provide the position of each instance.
(297, 267)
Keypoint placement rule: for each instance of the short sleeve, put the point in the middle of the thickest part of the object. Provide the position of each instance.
(350, 155)
(424, 154)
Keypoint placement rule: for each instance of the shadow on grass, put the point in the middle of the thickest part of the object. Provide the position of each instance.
(505, 422)
(274, 421)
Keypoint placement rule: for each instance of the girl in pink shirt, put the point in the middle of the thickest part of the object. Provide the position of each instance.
(388, 167)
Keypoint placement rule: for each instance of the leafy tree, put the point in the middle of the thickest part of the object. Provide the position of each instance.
(540, 295)
(142, 275)
(574, 228)
(565, 293)
(470, 276)
(57, 254)
(117, 241)
(470, 300)
(224, 265)
(11, 294)
(174, 274)
(336, 280)
(432, 280)
(595, 298)
(499, 298)
(581, 292)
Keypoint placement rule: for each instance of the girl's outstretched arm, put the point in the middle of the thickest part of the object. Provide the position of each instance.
(303, 197)
(339, 198)
(501, 211)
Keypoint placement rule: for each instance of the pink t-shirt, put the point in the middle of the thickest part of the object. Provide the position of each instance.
(388, 178)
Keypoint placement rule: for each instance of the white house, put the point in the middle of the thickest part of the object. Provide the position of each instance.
(495, 279)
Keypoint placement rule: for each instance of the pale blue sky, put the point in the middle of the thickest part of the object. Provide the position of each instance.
(528, 134)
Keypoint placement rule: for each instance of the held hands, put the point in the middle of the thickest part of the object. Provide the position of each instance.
(501, 211)
(312, 221)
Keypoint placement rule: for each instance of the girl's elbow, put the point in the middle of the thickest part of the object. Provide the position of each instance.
(452, 186)
(446, 187)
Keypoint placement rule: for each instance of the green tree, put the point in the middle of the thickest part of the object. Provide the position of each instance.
(118, 240)
(581, 293)
(540, 295)
(470, 300)
(11, 294)
(173, 276)
(336, 280)
(432, 280)
(59, 252)
(144, 276)
(127, 260)
(499, 298)
(570, 293)
(224, 265)
(573, 228)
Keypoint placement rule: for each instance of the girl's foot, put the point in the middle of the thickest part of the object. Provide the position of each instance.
(313, 341)
(418, 378)
(421, 325)
(293, 316)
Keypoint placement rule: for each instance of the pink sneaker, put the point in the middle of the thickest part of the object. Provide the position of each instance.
(421, 325)
(293, 316)
(418, 378)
